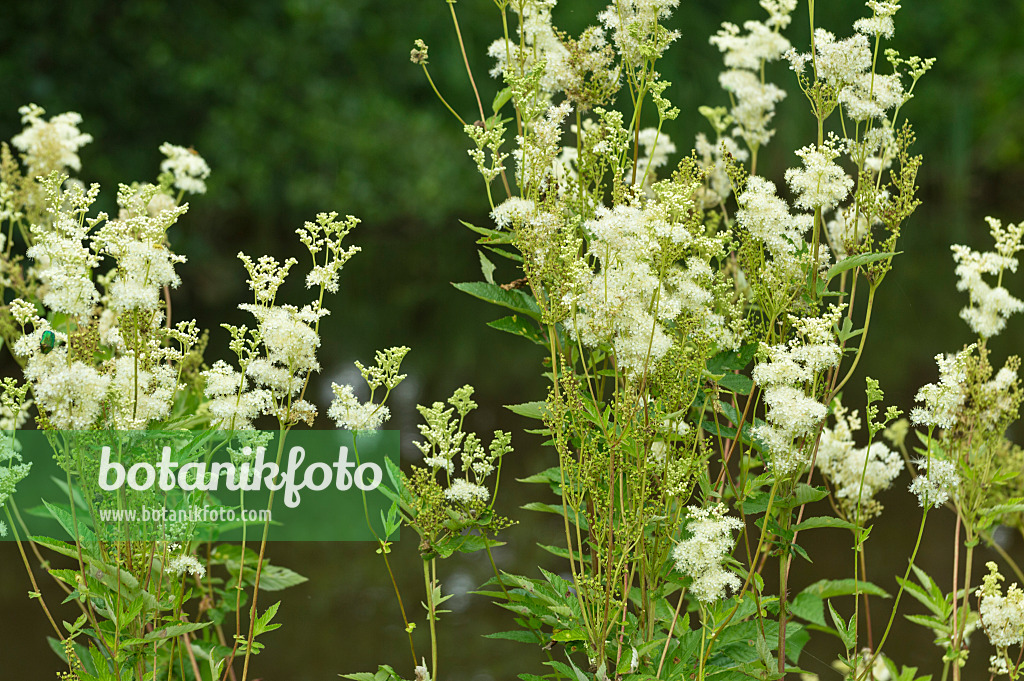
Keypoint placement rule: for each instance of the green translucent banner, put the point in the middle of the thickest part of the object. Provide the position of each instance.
(116, 486)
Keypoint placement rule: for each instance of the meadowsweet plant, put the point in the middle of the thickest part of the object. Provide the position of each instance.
(700, 323)
(86, 313)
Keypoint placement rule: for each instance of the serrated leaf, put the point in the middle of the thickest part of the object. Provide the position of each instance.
(487, 268)
(856, 261)
(501, 99)
(727, 360)
(518, 326)
(824, 521)
(175, 630)
(262, 624)
(830, 588)
(514, 299)
(531, 410)
(738, 383)
(277, 578)
(63, 516)
(808, 607)
(518, 635)
(848, 637)
(805, 494)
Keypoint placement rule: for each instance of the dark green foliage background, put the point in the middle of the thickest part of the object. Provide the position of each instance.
(303, 106)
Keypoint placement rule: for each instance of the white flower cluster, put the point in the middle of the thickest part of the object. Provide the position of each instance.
(280, 354)
(821, 183)
(857, 473)
(635, 28)
(444, 440)
(63, 263)
(50, 145)
(701, 555)
(71, 393)
(137, 242)
(1002, 616)
(351, 414)
(630, 300)
(512, 211)
(346, 409)
(880, 23)
(12, 470)
(846, 66)
(187, 166)
(179, 565)
(465, 492)
(536, 154)
(767, 218)
(942, 400)
(937, 483)
(232, 404)
(745, 56)
(792, 414)
(998, 393)
(539, 45)
(989, 307)
(712, 161)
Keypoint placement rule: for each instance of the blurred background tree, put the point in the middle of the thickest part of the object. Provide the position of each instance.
(302, 106)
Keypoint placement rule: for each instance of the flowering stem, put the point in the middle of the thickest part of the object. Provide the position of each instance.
(899, 594)
(671, 628)
(429, 583)
(472, 83)
(704, 651)
(31, 575)
(863, 338)
(259, 563)
(787, 516)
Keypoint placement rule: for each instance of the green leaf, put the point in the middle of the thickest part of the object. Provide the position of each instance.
(846, 331)
(569, 635)
(856, 261)
(504, 253)
(808, 607)
(514, 299)
(63, 516)
(175, 630)
(471, 543)
(557, 510)
(276, 578)
(738, 383)
(262, 624)
(487, 267)
(518, 326)
(824, 521)
(847, 632)
(551, 476)
(805, 494)
(728, 360)
(830, 588)
(501, 99)
(518, 635)
(491, 236)
(531, 410)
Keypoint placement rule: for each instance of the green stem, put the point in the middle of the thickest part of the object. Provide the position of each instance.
(899, 595)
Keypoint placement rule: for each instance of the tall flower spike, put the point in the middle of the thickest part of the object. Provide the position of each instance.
(701, 556)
